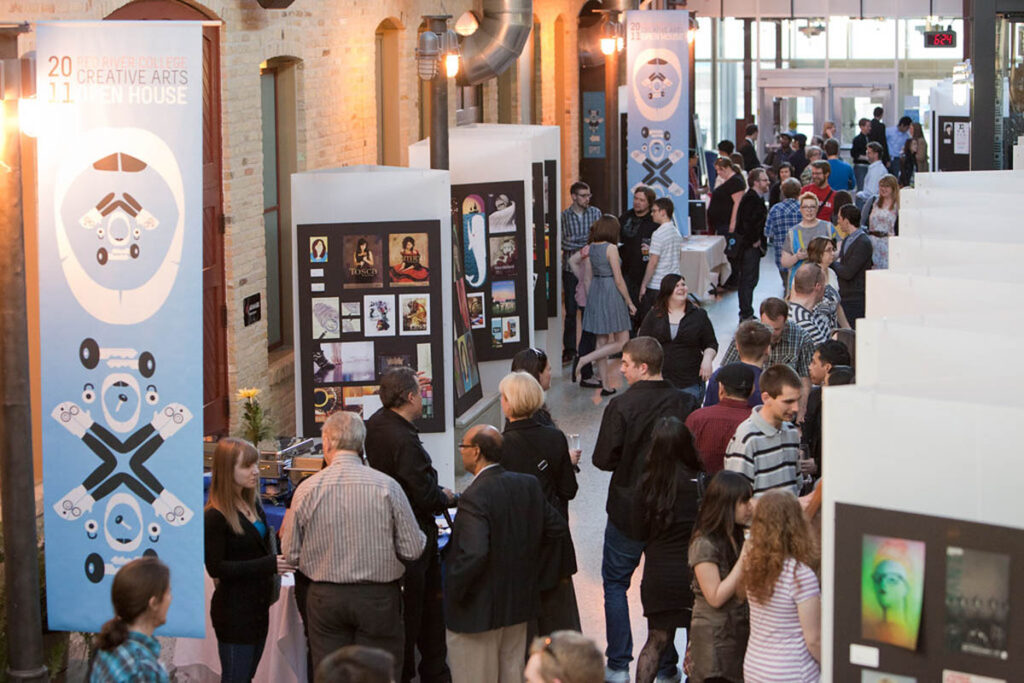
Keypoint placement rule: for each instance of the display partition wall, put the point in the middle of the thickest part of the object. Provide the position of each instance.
(490, 170)
(372, 290)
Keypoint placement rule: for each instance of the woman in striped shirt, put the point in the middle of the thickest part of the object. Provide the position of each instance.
(785, 604)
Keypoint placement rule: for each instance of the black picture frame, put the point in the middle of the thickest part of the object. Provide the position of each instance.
(552, 234)
(540, 289)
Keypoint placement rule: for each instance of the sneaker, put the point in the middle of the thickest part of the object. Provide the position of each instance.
(615, 676)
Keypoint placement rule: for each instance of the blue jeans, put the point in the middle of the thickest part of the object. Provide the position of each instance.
(620, 559)
(697, 391)
(238, 662)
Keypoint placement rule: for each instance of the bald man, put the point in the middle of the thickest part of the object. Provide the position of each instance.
(493, 563)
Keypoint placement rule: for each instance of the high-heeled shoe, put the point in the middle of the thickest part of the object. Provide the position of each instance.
(575, 366)
(607, 392)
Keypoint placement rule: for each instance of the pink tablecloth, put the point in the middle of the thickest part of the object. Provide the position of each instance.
(284, 658)
(702, 262)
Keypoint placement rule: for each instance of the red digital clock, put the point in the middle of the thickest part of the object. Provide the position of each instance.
(940, 39)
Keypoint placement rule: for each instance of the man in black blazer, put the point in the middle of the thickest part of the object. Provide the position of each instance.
(854, 259)
(877, 134)
(622, 444)
(493, 562)
(750, 160)
(859, 146)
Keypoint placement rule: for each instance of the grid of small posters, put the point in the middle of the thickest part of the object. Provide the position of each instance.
(491, 219)
(368, 301)
(923, 598)
(469, 315)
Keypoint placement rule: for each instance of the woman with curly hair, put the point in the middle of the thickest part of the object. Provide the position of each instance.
(785, 599)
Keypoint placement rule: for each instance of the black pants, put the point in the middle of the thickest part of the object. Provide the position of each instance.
(750, 272)
(343, 614)
(853, 308)
(424, 619)
(734, 261)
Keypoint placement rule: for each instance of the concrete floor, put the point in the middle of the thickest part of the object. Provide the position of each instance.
(579, 411)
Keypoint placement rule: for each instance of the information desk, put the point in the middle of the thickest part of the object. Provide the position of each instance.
(703, 264)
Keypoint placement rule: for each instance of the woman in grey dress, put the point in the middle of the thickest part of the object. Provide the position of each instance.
(609, 307)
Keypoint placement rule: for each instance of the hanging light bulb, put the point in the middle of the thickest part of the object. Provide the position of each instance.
(427, 52)
(451, 64)
(608, 36)
(451, 53)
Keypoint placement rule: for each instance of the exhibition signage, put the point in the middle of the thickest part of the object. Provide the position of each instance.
(120, 312)
(657, 73)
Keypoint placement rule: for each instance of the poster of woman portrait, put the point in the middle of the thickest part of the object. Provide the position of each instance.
(414, 314)
(503, 257)
(408, 259)
(892, 590)
(318, 250)
(363, 261)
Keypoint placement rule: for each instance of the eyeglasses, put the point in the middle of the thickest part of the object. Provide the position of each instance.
(811, 207)
(467, 445)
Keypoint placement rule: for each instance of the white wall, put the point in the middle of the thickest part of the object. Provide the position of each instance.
(368, 193)
(913, 252)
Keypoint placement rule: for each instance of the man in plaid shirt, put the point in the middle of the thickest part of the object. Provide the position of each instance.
(576, 222)
(782, 218)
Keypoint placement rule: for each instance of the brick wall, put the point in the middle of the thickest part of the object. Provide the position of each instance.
(336, 120)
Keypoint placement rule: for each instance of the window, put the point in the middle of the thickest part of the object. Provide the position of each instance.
(469, 105)
(389, 138)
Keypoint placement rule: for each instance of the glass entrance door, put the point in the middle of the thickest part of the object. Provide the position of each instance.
(852, 103)
(782, 110)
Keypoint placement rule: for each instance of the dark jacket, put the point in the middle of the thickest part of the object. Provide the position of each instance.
(635, 232)
(850, 269)
(877, 134)
(624, 439)
(530, 447)
(799, 161)
(243, 568)
(493, 557)
(750, 218)
(393, 446)
(750, 160)
(667, 574)
(859, 148)
(685, 351)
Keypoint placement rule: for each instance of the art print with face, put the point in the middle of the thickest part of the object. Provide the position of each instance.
(892, 590)
(409, 259)
(363, 259)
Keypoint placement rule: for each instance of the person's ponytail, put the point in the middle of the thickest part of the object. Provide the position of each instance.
(113, 633)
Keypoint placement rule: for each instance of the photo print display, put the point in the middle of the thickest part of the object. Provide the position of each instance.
(977, 602)
(892, 590)
(467, 375)
(539, 284)
(363, 261)
(379, 305)
(408, 260)
(318, 249)
(464, 397)
(509, 330)
(477, 318)
(494, 257)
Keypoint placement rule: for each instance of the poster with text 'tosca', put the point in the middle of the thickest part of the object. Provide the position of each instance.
(657, 78)
(120, 312)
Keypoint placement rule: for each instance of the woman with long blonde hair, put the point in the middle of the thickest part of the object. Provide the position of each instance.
(784, 595)
(241, 558)
(881, 217)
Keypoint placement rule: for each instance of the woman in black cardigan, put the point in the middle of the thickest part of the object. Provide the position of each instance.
(240, 559)
(531, 447)
(686, 335)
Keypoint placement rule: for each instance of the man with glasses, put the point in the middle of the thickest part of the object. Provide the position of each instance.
(576, 222)
(750, 220)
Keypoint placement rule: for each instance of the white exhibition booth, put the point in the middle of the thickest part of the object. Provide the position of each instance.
(924, 440)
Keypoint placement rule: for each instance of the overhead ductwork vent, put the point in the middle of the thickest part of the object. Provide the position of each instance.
(497, 42)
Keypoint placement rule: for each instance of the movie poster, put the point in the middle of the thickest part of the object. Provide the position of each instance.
(120, 218)
(892, 590)
(378, 308)
(977, 602)
(494, 257)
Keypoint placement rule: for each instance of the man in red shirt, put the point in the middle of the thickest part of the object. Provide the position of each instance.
(820, 188)
(713, 427)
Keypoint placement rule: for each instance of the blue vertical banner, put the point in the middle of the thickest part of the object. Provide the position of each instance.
(657, 80)
(593, 124)
(120, 312)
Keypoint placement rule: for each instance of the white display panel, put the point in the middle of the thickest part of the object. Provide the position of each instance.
(970, 181)
(962, 221)
(918, 198)
(892, 293)
(912, 252)
(368, 193)
(481, 156)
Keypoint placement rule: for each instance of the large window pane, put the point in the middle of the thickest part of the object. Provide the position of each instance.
(702, 99)
(873, 39)
(766, 51)
(730, 39)
(268, 106)
(273, 307)
(702, 41)
(838, 37)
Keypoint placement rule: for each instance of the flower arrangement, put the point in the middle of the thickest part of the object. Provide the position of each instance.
(255, 425)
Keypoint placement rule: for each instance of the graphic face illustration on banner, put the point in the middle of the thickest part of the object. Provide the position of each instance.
(120, 261)
(657, 69)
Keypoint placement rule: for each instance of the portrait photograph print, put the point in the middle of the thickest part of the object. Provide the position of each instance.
(326, 321)
(363, 261)
(503, 257)
(408, 259)
(318, 249)
(977, 602)
(414, 311)
(379, 315)
(477, 319)
(892, 590)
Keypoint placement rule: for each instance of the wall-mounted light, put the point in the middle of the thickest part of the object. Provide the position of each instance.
(612, 38)
(434, 48)
(450, 48)
(691, 33)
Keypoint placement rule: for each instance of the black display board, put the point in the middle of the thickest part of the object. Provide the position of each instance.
(953, 135)
(971, 610)
(552, 231)
(540, 279)
(369, 298)
(493, 221)
(466, 372)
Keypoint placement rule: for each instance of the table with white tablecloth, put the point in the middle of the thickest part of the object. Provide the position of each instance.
(703, 264)
(284, 658)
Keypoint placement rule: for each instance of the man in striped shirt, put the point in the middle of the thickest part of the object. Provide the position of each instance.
(766, 446)
(576, 222)
(349, 531)
(808, 291)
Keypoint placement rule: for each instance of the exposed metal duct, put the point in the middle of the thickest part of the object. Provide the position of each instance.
(503, 31)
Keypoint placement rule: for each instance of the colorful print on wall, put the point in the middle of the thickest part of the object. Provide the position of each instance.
(363, 261)
(474, 240)
(477, 318)
(120, 216)
(318, 249)
(409, 259)
(977, 602)
(414, 314)
(892, 590)
(379, 315)
(504, 258)
(326, 319)
(503, 298)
